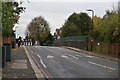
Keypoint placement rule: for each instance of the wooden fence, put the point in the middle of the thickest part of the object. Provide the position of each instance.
(112, 49)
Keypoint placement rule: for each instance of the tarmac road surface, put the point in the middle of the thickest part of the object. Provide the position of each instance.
(64, 63)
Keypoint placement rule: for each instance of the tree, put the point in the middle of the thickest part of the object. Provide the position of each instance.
(70, 29)
(106, 29)
(10, 16)
(76, 25)
(39, 29)
(95, 32)
(96, 21)
(74, 18)
(49, 37)
(85, 24)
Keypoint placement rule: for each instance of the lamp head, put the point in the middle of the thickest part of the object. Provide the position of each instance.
(89, 10)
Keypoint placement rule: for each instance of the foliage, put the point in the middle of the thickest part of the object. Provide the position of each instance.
(96, 21)
(85, 23)
(39, 29)
(49, 37)
(95, 32)
(70, 29)
(74, 18)
(76, 25)
(49, 42)
(10, 16)
(107, 29)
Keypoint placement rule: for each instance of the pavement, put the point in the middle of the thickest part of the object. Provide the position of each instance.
(21, 66)
(100, 55)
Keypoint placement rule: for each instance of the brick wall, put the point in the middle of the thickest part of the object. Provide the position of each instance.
(7, 39)
(0, 40)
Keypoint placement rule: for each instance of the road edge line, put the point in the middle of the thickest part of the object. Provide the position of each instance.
(37, 71)
(45, 74)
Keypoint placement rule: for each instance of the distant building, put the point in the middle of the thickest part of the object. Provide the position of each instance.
(57, 34)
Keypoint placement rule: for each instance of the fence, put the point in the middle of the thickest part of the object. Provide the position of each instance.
(73, 41)
(112, 49)
(87, 43)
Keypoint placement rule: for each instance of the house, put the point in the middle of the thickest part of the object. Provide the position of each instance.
(57, 34)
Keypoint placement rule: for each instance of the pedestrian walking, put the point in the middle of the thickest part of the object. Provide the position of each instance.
(19, 42)
(22, 39)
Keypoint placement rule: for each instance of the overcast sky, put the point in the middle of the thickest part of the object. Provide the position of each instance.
(56, 12)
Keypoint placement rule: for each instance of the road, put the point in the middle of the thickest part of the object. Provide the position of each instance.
(64, 63)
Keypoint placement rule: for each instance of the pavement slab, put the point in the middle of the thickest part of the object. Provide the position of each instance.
(19, 67)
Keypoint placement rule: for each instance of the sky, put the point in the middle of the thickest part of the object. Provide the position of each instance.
(56, 12)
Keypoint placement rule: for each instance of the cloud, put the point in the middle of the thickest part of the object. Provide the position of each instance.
(73, 0)
(56, 13)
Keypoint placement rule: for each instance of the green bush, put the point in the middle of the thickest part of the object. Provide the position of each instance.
(49, 42)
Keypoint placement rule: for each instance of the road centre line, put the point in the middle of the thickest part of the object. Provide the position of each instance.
(39, 56)
(43, 63)
(40, 59)
(101, 65)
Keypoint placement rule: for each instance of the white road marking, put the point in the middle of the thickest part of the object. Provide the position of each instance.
(89, 56)
(101, 65)
(39, 56)
(43, 63)
(49, 56)
(78, 55)
(74, 57)
(35, 53)
(32, 51)
(63, 56)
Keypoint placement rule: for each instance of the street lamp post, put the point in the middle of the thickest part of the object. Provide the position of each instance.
(92, 25)
(92, 16)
